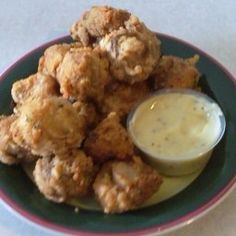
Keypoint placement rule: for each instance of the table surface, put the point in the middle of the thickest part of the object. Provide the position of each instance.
(209, 25)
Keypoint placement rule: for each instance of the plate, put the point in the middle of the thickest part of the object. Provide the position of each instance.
(209, 189)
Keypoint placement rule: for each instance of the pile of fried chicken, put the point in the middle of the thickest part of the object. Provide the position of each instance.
(69, 117)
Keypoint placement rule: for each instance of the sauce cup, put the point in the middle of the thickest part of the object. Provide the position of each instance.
(176, 130)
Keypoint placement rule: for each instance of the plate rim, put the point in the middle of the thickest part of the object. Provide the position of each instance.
(158, 229)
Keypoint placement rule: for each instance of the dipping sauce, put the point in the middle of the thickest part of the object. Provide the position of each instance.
(176, 125)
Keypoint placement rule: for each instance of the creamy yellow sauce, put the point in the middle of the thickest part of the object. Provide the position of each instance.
(175, 125)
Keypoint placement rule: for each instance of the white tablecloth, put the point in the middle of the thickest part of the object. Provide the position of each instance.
(208, 24)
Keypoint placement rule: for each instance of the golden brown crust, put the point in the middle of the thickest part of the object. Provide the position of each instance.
(48, 126)
(10, 152)
(88, 111)
(52, 58)
(121, 97)
(109, 140)
(133, 51)
(62, 177)
(176, 72)
(122, 186)
(83, 74)
(36, 85)
(97, 22)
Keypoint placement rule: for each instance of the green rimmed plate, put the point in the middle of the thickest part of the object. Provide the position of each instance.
(217, 179)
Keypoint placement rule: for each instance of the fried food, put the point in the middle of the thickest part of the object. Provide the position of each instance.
(52, 58)
(176, 72)
(133, 51)
(121, 97)
(62, 177)
(48, 126)
(121, 186)
(88, 111)
(109, 140)
(97, 22)
(69, 115)
(36, 85)
(10, 152)
(83, 74)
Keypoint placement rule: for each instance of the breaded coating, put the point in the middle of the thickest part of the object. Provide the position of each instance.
(176, 72)
(36, 85)
(62, 177)
(10, 152)
(97, 22)
(83, 74)
(121, 97)
(121, 186)
(88, 111)
(133, 51)
(48, 126)
(52, 58)
(109, 140)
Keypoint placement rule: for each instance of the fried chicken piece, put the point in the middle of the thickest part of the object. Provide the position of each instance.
(53, 56)
(83, 74)
(36, 85)
(176, 72)
(121, 186)
(97, 22)
(121, 97)
(10, 152)
(109, 140)
(61, 177)
(133, 51)
(88, 111)
(48, 126)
